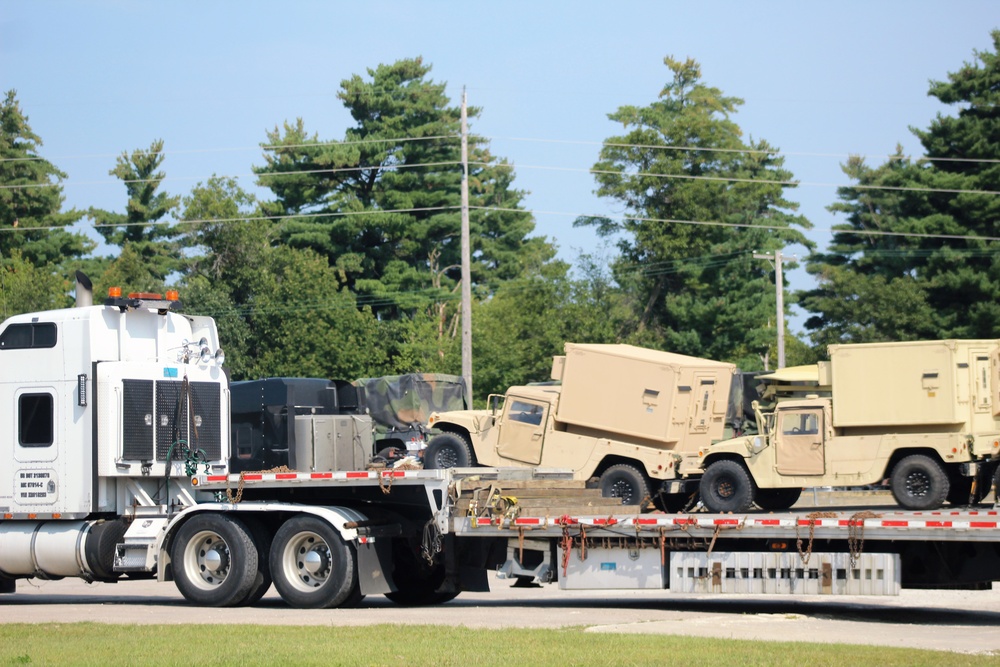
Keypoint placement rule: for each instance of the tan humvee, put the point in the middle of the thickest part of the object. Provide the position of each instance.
(621, 413)
(923, 415)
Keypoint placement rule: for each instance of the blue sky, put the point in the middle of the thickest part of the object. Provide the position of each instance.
(820, 80)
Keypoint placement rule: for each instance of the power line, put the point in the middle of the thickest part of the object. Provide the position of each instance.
(749, 151)
(485, 138)
(507, 165)
(714, 223)
(733, 179)
(534, 213)
(275, 174)
(199, 151)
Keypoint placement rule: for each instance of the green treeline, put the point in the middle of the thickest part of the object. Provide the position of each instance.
(350, 265)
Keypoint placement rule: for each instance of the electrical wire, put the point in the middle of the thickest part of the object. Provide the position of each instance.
(748, 151)
(533, 213)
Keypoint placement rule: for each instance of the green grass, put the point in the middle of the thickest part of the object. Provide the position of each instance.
(409, 645)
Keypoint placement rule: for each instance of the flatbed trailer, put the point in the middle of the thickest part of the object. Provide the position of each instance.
(535, 525)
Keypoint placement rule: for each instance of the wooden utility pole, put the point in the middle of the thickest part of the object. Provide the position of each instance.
(779, 286)
(466, 259)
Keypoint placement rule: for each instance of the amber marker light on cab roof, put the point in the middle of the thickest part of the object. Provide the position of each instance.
(115, 292)
(173, 295)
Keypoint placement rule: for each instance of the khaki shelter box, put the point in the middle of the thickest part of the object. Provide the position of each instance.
(642, 393)
(913, 383)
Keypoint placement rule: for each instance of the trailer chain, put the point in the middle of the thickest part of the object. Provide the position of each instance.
(235, 499)
(566, 543)
(856, 534)
(432, 544)
(812, 516)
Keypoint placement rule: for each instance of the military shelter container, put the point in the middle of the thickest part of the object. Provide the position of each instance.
(942, 382)
(643, 393)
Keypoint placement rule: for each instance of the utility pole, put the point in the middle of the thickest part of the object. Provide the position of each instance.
(779, 286)
(466, 259)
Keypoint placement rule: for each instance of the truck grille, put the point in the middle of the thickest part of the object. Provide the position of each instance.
(171, 422)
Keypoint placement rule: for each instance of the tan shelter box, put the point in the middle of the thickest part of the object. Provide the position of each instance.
(642, 393)
(912, 383)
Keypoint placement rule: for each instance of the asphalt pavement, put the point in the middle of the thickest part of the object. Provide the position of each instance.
(960, 621)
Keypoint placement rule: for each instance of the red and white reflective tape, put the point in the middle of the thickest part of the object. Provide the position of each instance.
(961, 521)
(302, 476)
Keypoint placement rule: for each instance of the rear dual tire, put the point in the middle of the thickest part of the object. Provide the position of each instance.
(312, 566)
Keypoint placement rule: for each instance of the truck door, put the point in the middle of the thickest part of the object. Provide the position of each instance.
(799, 445)
(522, 430)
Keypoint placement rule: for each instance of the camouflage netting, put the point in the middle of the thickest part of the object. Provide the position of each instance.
(404, 402)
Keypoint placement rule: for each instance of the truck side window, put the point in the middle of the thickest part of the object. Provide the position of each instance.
(798, 423)
(527, 413)
(35, 420)
(32, 335)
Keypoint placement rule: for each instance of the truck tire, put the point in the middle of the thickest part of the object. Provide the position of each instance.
(417, 582)
(448, 450)
(312, 566)
(726, 487)
(919, 482)
(625, 481)
(777, 499)
(214, 561)
(261, 537)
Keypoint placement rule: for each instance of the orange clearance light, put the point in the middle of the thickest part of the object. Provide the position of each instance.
(194, 481)
(7, 515)
(173, 295)
(57, 515)
(115, 292)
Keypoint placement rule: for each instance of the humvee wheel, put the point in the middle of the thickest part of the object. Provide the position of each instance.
(624, 481)
(919, 482)
(448, 450)
(726, 487)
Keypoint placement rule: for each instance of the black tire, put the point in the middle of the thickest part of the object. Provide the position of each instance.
(214, 560)
(262, 541)
(919, 482)
(417, 582)
(777, 499)
(625, 481)
(312, 566)
(726, 487)
(448, 450)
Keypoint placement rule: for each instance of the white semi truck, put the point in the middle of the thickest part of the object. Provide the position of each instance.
(115, 461)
